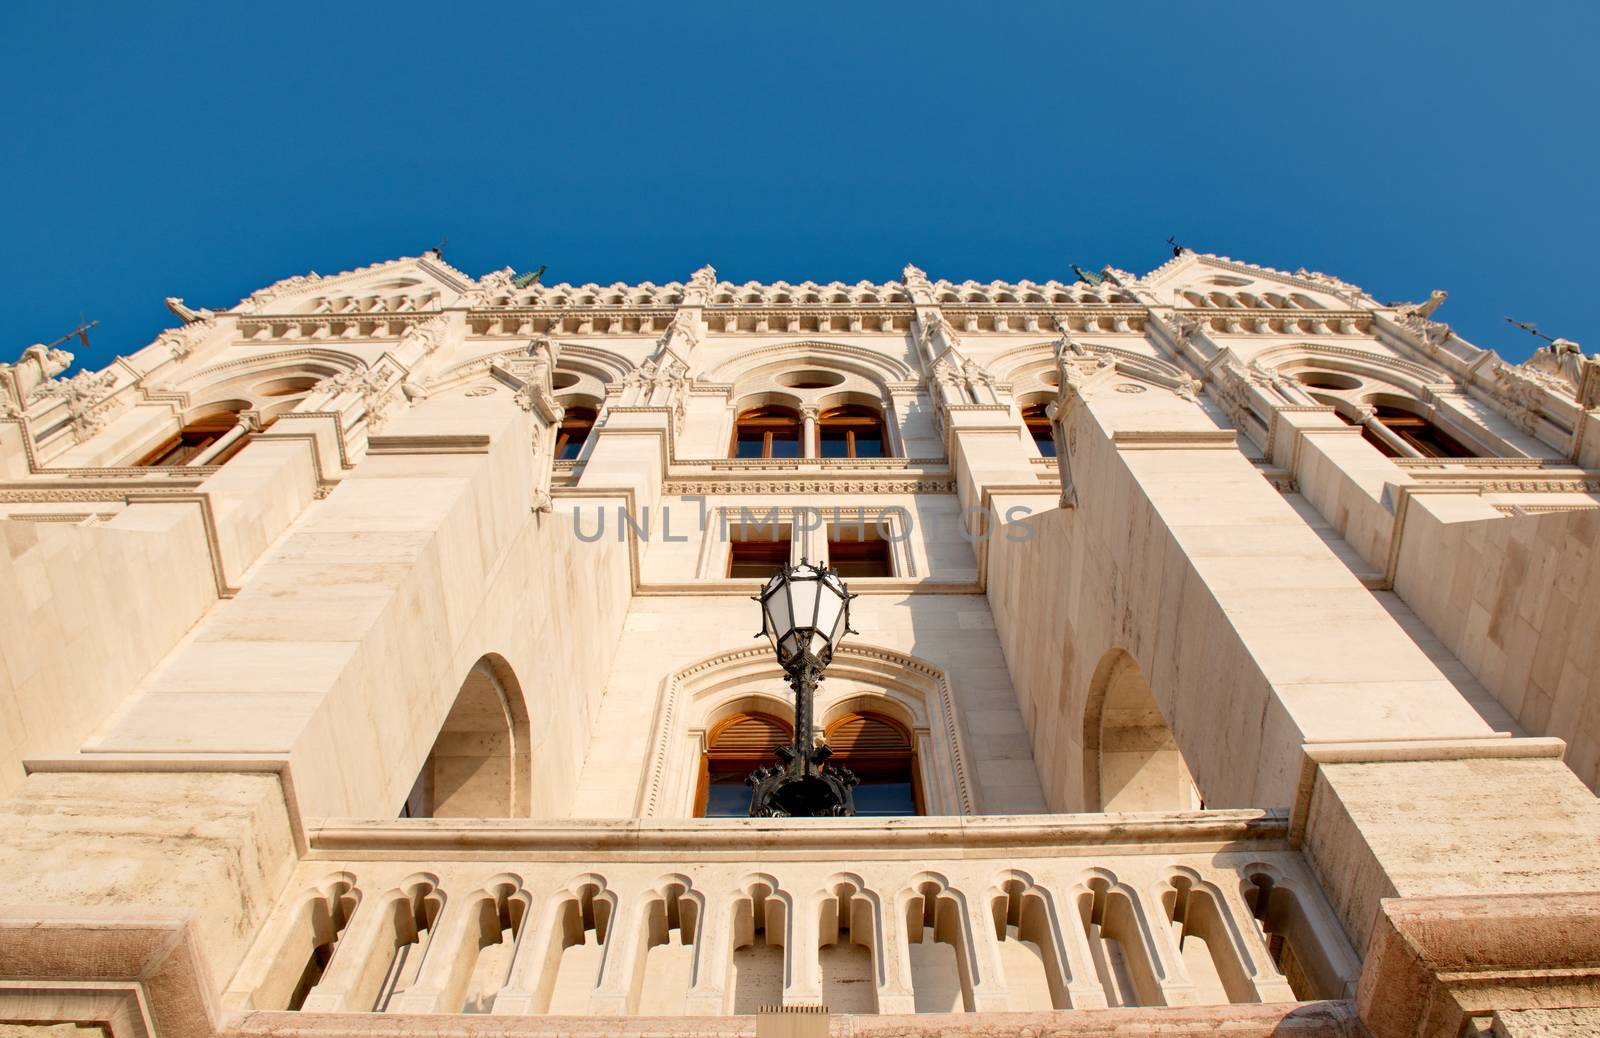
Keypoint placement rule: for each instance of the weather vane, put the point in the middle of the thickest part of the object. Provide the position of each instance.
(1531, 329)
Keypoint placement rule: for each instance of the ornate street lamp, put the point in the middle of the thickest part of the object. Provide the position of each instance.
(805, 610)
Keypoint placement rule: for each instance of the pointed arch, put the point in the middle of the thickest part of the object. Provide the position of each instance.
(480, 765)
(879, 368)
(1131, 762)
(907, 689)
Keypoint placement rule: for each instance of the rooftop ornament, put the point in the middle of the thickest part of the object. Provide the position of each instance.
(805, 611)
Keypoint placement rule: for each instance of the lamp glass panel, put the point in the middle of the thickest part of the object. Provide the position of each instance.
(776, 603)
(803, 600)
(829, 608)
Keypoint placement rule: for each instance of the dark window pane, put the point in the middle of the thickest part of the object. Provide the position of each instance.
(727, 798)
(750, 443)
(757, 559)
(572, 448)
(869, 443)
(835, 443)
(782, 448)
(882, 798)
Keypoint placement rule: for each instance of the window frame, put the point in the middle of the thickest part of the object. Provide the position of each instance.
(869, 761)
(565, 431)
(751, 418)
(865, 417)
(745, 761)
(1034, 419)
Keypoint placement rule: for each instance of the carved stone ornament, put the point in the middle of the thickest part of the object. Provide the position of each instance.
(189, 315)
(83, 393)
(703, 282)
(375, 387)
(257, 301)
(1559, 365)
(429, 334)
(493, 284)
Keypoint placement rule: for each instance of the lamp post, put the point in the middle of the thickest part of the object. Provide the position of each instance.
(805, 611)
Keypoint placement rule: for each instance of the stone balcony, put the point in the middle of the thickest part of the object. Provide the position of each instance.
(710, 918)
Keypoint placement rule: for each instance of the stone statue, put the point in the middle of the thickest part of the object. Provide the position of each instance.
(25, 380)
(1425, 311)
(1562, 361)
(188, 314)
(703, 280)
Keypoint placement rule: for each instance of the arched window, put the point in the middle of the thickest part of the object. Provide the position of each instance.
(1038, 423)
(201, 441)
(735, 748)
(575, 427)
(1429, 440)
(767, 432)
(851, 431)
(881, 754)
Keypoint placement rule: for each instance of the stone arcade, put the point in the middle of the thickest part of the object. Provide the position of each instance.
(382, 646)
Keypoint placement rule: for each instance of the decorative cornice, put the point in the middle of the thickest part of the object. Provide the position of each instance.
(680, 487)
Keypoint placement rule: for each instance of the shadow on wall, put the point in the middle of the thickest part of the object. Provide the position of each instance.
(481, 764)
(1131, 762)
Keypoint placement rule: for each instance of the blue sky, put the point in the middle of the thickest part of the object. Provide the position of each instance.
(206, 150)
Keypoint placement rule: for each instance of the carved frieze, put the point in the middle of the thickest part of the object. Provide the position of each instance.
(808, 486)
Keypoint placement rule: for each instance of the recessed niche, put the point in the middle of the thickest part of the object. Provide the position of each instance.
(809, 379)
(563, 380)
(285, 386)
(1328, 380)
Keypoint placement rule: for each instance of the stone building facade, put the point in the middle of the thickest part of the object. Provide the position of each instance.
(378, 659)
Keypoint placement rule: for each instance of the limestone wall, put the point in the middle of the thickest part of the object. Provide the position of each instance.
(1512, 597)
(1252, 634)
(85, 612)
(346, 647)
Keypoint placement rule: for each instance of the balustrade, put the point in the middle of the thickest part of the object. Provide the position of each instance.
(720, 916)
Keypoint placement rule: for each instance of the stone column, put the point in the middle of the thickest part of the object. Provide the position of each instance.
(247, 423)
(809, 448)
(713, 960)
(1370, 422)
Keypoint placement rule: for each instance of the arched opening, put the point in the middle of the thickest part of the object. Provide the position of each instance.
(847, 950)
(480, 764)
(1291, 939)
(577, 952)
(1328, 380)
(1428, 439)
(1131, 760)
(1415, 431)
(1029, 957)
(1121, 959)
(498, 917)
(734, 748)
(307, 950)
(768, 431)
(941, 966)
(206, 439)
(1039, 427)
(850, 431)
(1200, 930)
(882, 755)
(576, 425)
(760, 949)
(664, 972)
(402, 947)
